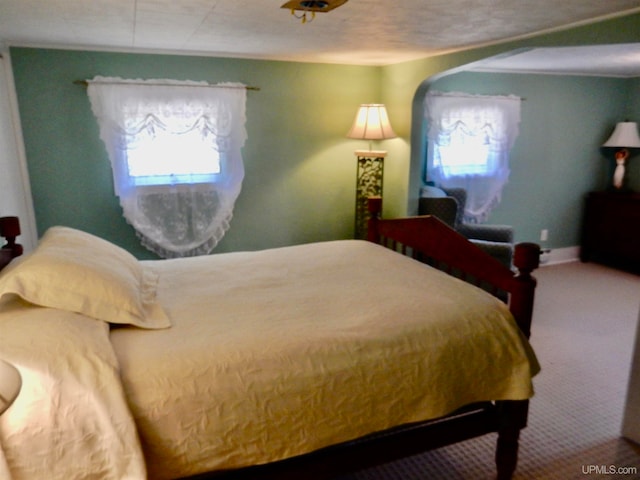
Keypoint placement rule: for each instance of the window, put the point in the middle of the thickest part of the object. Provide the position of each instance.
(175, 152)
(166, 158)
(469, 138)
(463, 153)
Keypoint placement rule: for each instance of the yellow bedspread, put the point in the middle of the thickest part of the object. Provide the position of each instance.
(280, 352)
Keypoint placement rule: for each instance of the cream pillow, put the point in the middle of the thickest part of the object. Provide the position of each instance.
(79, 272)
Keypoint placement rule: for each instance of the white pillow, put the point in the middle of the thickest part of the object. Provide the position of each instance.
(430, 191)
(79, 272)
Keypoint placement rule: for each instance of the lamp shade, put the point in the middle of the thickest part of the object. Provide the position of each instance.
(371, 123)
(10, 384)
(625, 135)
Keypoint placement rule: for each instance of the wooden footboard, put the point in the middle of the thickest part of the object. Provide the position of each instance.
(430, 240)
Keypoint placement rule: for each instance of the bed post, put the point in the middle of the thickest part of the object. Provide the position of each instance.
(526, 259)
(513, 418)
(9, 230)
(513, 414)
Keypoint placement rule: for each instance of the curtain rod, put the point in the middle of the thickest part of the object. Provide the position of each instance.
(85, 83)
(471, 95)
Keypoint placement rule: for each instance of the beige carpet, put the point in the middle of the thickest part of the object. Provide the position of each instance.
(583, 332)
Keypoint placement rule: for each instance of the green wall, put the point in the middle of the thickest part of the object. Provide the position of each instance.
(633, 112)
(300, 168)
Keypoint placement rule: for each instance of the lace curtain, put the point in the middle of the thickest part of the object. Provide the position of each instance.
(174, 215)
(469, 138)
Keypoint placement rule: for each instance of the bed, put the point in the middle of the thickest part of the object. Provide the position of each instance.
(308, 361)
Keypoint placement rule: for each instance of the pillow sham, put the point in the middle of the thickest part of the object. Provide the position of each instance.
(79, 272)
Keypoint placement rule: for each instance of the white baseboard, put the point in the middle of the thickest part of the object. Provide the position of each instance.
(555, 256)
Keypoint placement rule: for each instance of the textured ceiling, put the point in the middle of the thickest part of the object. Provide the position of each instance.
(621, 60)
(368, 32)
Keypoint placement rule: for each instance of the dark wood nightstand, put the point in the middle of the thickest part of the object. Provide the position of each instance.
(611, 229)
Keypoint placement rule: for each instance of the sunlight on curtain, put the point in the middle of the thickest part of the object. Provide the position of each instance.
(469, 138)
(175, 151)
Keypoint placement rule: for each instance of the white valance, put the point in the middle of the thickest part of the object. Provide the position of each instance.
(461, 126)
(179, 211)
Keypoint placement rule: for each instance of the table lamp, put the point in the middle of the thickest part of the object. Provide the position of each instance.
(624, 137)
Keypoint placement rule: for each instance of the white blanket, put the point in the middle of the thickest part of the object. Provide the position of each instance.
(270, 354)
(276, 353)
(70, 420)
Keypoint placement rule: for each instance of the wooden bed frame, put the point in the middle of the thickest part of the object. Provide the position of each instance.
(428, 240)
(431, 241)
(9, 230)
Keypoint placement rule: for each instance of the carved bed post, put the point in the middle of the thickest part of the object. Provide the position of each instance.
(9, 229)
(513, 414)
(526, 258)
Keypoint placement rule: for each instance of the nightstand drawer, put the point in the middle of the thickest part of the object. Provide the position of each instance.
(611, 229)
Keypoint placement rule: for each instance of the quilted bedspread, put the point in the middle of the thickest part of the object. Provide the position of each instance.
(276, 353)
(70, 420)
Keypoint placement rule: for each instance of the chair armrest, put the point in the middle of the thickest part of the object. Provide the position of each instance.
(444, 208)
(499, 250)
(492, 233)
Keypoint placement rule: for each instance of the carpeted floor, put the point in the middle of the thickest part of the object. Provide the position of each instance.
(583, 333)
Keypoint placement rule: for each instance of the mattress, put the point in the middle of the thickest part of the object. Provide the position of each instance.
(235, 359)
(280, 352)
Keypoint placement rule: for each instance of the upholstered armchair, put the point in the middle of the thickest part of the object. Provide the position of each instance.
(448, 206)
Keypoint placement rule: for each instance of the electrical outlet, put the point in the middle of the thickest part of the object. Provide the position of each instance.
(545, 255)
(544, 235)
